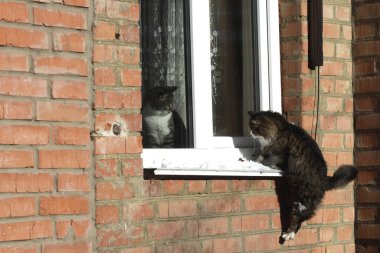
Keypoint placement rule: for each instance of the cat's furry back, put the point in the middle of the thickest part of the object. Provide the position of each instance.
(299, 157)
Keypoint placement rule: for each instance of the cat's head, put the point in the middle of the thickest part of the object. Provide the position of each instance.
(161, 97)
(266, 124)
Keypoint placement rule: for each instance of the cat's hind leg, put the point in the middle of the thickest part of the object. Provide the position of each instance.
(300, 212)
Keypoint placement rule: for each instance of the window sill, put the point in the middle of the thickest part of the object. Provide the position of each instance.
(205, 162)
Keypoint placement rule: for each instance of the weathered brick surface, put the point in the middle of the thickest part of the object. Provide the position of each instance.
(366, 55)
(67, 74)
(45, 147)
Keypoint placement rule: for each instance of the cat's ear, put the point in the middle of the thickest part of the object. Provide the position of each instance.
(251, 113)
(255, 122)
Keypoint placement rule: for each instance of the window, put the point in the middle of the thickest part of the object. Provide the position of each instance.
(205, 64)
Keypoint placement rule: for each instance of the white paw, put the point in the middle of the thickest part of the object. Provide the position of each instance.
(288, 236)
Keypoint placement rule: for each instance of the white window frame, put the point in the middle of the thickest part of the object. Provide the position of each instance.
(211, 154)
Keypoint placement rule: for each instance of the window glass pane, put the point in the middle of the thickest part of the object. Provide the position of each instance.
(232, 65)
(165, 99)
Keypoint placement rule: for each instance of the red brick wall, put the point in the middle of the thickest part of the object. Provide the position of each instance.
(45, 149)
(334, 120)
(367, 94)
(71, 67)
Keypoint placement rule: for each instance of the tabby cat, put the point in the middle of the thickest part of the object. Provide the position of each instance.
(289, 148)
(162, 126)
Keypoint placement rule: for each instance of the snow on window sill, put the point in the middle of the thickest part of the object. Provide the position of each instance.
(205, 162)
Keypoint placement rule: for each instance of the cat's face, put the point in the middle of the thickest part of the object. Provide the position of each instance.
(264, 125)
(161, 98)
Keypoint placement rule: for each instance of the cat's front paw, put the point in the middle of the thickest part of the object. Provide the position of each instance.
(288, 235)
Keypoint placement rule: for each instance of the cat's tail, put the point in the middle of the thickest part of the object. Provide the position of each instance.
(342, 176)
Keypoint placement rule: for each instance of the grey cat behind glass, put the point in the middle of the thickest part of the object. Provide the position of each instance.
(162, 126)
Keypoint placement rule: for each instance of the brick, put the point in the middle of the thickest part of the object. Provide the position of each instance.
(57, 205)
(332, 140)
(118, 99)
(183, 208)
(166, 230)
(20, 37)
(326, 234)
(260, 242)
(26, 230)
(261, 202)
(118, 145)
(17, 207)
(343, 13)
(14, 12)
(364, 30)
(138, 212)
(56, 159)
(344, 233)
(326, 216)
(104, 30)
(367, 48)
(250, 223)
(130, 33)
(23, 86)
(332, 68)
(58, 111)
(132, 167)
(334, 104)
(120, 236)
(107, 214)
(104, 76)
(221, 205)
(10, 109)
(367, 158)
(63, 135)
(304, 237)
(106, 168)
(55, 65)
(79, 3)
(104, 122)
(214, 226)
(368, 195)
(126, 10)
(131, 77)
(367, 11)
(343, 51)
(367, 231)
(59, 18)
(14, 62)
(196, 186)
(73, 182)
(367, 85)
(367, 214)
(62, 228)
(18, 249)
(331, 31)
(69, 89)
(63, 247)
(220, 185)
(128, 55)
(26, 183)
(69, 42)
(104, 53)
(115, 190)
(293, 29)
(16, 159)
(23, 134)
(173, 187)
(223, 245)
(337, 197)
